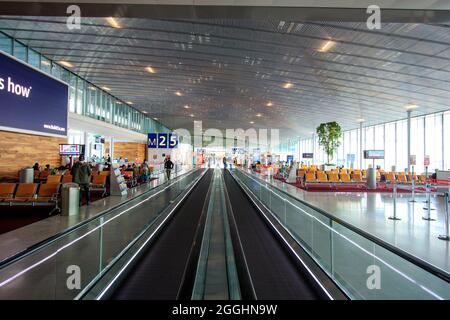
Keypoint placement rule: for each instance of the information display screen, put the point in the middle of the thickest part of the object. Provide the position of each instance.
(70, 149)
(30, 100)
(307, 155)
(373, 154)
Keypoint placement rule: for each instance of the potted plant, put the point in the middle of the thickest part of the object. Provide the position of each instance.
(329, 135)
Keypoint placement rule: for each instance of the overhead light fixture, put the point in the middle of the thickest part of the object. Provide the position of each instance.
(106, 88)
(191, 115)
(288, 85)
(143, 111)
(92, 88)
(186, 107)
(118, 102)
(360, 120)
(178, 93)
(65, 64)
(150, 69)
(269, 104)
(130, 103)
(327, 46)
(411, 106)
(259, 115)
(113, 22)
(45, 62)
(155, 118)
(252, 122)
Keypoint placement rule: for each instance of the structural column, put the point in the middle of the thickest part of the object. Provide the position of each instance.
(111, 148)
(360, 145)
(408, 138)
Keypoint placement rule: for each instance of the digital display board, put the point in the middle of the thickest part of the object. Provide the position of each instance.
(30, 100)
(70, 149)
(307, 155)
(373, 154)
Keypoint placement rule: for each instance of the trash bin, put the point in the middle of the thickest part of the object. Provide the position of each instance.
(70, 199)
(371, 178)
(26, 175)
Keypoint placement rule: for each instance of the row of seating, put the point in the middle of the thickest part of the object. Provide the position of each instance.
(96, 179)
(324, 177)
(35, 194)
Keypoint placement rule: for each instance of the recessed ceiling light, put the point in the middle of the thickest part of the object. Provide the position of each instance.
(143, 111)
(155, 118)
(411, 106)
(252, 122)
(288, 85)
(45, 62)
(106, 88)
(186, 107)
(65, 64)
(259, 115)
(191, 115)
(178, 93)
(130, 103)
(118, 102)
(327, 46)
(92, 88)
(150, 69)
(113, 22)
(360, 120)
(269, 104)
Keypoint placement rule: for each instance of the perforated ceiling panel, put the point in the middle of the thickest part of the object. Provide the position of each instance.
(231, 73)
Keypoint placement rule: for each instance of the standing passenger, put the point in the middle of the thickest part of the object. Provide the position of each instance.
(81, 174)
(168, 165)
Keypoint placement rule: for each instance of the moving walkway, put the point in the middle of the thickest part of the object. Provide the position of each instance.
(216, 234)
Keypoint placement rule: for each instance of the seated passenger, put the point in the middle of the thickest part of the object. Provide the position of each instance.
(36, 167)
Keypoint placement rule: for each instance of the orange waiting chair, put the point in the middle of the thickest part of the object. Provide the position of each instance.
(310, 177)
(47, 196)
(345, 177)
(334, 177)
(422, 179)
(401, 178)
(98, 183)
(67, 178)
(104, 173)
(7, 191)
(322, 176)
(356, 177)
(390, 177)
(24, 193)
(54, 179)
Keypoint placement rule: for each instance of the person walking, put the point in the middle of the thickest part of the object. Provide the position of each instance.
(81, 174)
(224, 160)
(168, 165)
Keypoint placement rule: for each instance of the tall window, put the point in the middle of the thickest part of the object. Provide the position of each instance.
(433, 140)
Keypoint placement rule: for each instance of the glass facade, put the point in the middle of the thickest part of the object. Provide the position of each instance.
(85, 98)
(430, 135)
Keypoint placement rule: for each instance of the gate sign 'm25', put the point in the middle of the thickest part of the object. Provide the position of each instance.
(162, 140)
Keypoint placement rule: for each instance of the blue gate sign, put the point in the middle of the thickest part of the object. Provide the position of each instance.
(162, 140)
(152, 140)
(173, 140)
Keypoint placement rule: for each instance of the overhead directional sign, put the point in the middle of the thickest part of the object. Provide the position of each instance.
(162, 140)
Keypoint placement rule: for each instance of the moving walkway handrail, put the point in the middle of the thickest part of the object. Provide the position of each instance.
(65, 232)
(405, 255)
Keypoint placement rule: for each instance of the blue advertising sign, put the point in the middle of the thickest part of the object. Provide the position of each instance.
(152, 140)
(30, 100)
(290, 158)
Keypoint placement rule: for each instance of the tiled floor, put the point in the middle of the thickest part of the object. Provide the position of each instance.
(20, 239)
(370, 212)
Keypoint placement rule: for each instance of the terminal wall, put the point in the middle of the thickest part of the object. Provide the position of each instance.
(133, 151)
(18, 150)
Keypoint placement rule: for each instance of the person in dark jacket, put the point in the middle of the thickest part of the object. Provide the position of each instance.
(81, 174)
(168, 165)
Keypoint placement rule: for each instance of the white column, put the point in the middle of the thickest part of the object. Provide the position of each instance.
(111, 148)
(360, 146)
(408, 138)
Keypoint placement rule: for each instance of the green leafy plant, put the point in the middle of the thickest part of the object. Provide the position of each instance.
(329, 134)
